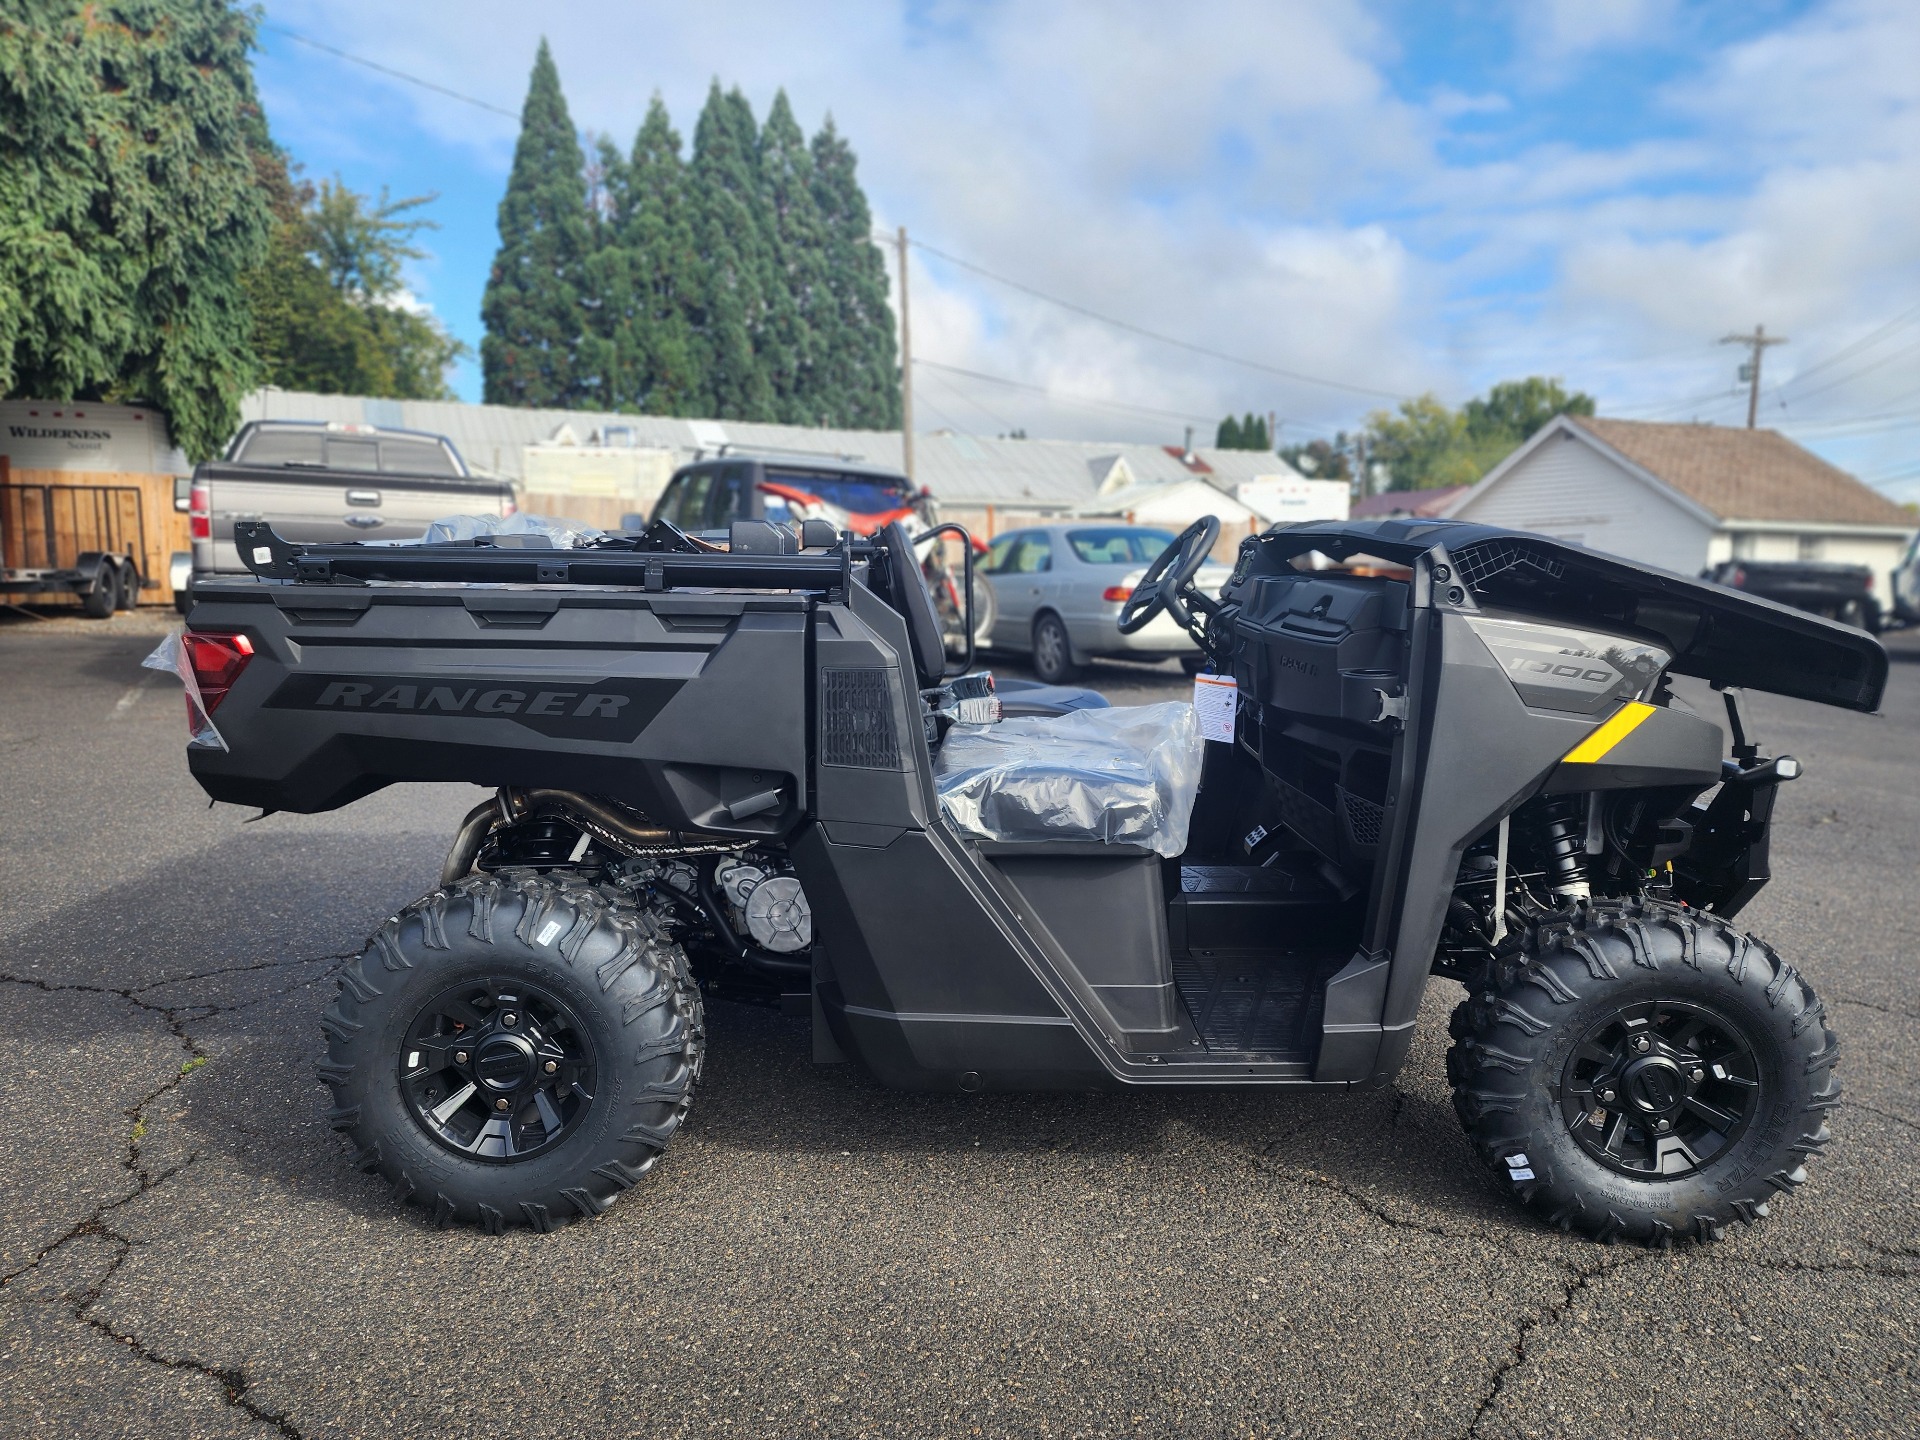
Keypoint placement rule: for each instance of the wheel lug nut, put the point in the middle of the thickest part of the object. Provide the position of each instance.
(1607, 1096)
(1663, 1126)
(1698, 1076)
(501, 1104)
(512, 1019)
(459, 1057)
(552, 1065)
(1643, 1044)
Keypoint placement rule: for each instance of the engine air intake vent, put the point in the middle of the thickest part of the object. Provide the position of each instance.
(857, 719)
(1478, 563)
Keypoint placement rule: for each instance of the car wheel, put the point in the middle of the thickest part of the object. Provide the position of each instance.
(1053, 651)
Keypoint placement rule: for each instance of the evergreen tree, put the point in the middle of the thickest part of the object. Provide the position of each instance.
(1253, 433)
(129, 210)
(1227, 437)
(730, 239)
(535, 306)
(645, 277)
(798, 261)
(856, 368)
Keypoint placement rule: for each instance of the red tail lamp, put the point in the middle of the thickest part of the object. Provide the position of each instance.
(1117, 594)
(217, 658)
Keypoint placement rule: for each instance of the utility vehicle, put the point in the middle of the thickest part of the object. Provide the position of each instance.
(719, 774)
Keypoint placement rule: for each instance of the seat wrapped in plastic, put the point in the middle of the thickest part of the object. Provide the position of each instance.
(1123, 776)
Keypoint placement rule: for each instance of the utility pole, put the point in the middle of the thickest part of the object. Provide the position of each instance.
(1273, 431)
(906, 362)
(1750, 372)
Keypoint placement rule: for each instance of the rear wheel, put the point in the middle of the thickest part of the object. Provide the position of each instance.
(513, 1051)
(1053, 651)
(1644, 1072)
(129, 588)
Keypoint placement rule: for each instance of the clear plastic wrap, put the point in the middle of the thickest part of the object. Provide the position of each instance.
(562, 533)
(170, 655)
(1124, 776)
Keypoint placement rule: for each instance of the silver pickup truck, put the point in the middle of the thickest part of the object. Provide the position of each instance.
(328, 483)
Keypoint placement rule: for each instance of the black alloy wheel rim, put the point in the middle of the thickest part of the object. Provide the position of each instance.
(497, 1069)
(1660, 1089)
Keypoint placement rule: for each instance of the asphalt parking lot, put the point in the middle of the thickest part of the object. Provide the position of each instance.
(186, 1252)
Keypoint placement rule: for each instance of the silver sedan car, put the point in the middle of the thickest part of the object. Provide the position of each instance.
(1058, 589)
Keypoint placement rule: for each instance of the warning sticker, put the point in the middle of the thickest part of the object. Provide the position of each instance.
(1215, 699)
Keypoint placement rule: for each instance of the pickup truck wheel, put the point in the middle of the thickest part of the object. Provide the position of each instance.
(513, 1051)
(1644, 1072)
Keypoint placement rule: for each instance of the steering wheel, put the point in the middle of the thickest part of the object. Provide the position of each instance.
(1171, 572)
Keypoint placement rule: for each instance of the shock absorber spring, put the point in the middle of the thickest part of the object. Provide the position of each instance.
(1563, 843)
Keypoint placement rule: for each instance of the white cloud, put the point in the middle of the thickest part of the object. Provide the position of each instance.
(1244, 174)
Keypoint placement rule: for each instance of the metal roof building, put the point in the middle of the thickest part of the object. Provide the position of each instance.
(961, 470)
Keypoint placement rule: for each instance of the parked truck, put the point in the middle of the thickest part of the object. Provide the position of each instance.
(323, 483)
(1839, 592)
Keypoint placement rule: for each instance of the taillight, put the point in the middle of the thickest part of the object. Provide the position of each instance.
(1117, 594)
(199, 513)
(217, 661)
(1739, 579)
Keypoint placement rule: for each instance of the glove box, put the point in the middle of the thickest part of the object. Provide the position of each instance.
(1331, 647)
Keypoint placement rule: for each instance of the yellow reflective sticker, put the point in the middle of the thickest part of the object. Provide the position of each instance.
(1623, 723)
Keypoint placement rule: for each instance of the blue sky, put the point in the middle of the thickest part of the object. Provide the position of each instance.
(1397, 197)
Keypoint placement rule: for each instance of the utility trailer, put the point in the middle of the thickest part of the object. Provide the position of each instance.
(732, 774)
(73, 539)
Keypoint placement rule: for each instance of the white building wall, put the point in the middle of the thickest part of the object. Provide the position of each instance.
(1568, 490)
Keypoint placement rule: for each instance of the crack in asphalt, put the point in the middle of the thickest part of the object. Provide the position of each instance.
(1818, 1267)
(1883, 1114)
(235, 1382)
(1875, 1005)
(1578, 1279)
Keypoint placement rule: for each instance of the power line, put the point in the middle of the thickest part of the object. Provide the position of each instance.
(1061, 397)
(1850, 376)
(1848, 351)
(387, 70)
(1155, 335)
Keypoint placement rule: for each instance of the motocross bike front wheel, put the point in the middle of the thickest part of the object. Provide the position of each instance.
(1642, 1071)
(513, 1051)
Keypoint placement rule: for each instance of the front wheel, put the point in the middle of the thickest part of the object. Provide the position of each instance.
(1644, 1072)
(513, 1052)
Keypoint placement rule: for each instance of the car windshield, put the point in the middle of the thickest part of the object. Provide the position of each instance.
(856, 494)
(1121, 545)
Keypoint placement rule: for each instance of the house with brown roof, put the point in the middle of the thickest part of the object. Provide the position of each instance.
(1688, 496)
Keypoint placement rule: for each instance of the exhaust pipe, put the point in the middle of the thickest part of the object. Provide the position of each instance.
(614, 826)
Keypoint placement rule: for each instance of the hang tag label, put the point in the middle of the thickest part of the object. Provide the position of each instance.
(1215, 702)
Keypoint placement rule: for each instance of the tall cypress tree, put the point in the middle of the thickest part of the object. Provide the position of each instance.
(790, 350)
(535, 306)
(645, 277)
(730, 241)
(857, 370)
(1227, 437)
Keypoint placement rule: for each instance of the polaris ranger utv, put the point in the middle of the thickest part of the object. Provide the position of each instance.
(721, 772)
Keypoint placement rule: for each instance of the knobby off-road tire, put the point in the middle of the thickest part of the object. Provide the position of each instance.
(629, 1007)
(1528, 1042)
